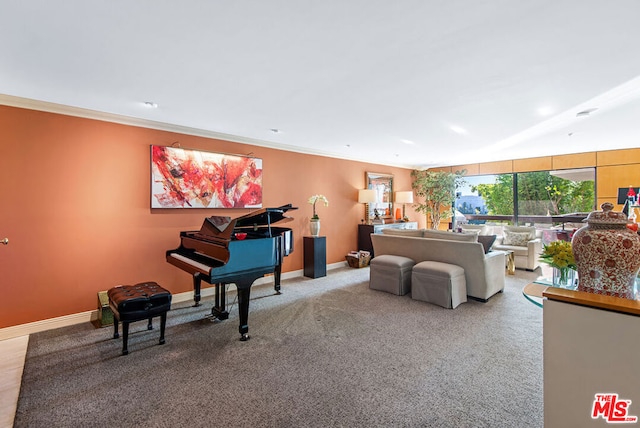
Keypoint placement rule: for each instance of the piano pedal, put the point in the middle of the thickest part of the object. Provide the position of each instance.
(214, 319)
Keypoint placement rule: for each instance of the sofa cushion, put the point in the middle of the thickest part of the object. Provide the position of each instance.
(487, 242)
(532, 231)
(517, 239)
(482, 229)
(441, 234)
(517, 251)
(404, 232)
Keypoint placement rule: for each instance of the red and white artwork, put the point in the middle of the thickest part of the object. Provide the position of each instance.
(182, 178)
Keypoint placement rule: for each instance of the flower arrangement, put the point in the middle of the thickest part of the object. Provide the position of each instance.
(558, 254)
(313, 200)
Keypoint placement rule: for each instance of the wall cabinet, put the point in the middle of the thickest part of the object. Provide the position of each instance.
(365, 231)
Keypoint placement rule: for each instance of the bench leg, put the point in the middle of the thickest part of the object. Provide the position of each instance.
(163, 323)
(115, 328)
(125, 337)
(150, 325)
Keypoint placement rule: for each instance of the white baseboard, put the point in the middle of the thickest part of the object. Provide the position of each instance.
(88, 316)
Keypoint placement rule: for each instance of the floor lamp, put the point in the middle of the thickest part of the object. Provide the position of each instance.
(404, 198)
(366, 197)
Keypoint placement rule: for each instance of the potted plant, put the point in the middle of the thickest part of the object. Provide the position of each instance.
(314, 225)
(559, 255)
(438, 189)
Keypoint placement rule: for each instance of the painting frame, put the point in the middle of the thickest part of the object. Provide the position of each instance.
(190, 178)
(383, 184)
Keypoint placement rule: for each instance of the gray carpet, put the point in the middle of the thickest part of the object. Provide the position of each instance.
(328, 352)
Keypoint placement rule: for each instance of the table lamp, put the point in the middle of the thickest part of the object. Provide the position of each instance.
(366, 197)
(404, 198)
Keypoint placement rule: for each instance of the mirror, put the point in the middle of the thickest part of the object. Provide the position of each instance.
(383, 185)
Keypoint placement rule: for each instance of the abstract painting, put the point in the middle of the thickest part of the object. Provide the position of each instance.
(183, 178)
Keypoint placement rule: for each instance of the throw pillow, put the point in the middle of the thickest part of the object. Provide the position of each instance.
(517, 239)
(522, 229)
(486, 241)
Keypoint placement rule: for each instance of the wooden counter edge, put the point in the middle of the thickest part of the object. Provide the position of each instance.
(616, 304)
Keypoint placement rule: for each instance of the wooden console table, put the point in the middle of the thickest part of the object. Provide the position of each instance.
(365, 231)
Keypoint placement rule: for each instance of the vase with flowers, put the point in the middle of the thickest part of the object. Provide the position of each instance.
(314, 224)
(559, 256)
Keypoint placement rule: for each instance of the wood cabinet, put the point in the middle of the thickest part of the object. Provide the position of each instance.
(588, 351)
(365, 231)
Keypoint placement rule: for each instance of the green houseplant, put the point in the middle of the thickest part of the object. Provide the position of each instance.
(438, 189)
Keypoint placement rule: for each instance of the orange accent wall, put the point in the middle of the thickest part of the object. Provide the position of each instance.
(75, 205)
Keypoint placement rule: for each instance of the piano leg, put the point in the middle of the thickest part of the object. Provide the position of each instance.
(197, 281)
(277, 274)
(219, 309)
(244, 292)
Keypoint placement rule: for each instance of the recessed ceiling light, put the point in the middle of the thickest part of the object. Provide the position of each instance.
(458, 129)
(586, 112)
(150, 104)
(275, 130)
(408, 142)
(545, 111)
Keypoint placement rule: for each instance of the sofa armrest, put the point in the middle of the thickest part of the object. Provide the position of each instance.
(534, 249)
(494, 265)
(495, 260)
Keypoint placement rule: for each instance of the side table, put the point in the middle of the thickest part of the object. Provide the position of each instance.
(511, 262)
(315, 256)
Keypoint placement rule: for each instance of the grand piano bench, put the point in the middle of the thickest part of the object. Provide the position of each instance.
(138, 302)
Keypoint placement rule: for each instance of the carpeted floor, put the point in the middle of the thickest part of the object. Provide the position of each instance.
(328, 352)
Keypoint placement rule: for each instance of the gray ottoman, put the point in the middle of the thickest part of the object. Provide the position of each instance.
(442, 284)
(391, 274)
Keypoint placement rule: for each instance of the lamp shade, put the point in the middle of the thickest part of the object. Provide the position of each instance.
(404, 197)
(366, 196)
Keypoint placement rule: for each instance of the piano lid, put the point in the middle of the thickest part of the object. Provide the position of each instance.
(222, 226)
(265, 216)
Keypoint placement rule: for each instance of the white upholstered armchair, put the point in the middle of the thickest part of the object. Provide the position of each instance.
(525, 242)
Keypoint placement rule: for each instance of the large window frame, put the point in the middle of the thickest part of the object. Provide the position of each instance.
(550, 218)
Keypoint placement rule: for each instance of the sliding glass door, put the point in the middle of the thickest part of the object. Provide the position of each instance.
(547, 199)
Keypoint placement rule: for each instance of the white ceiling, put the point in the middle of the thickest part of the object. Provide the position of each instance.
(354, 79)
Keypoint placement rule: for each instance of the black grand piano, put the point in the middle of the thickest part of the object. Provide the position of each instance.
(217, 255)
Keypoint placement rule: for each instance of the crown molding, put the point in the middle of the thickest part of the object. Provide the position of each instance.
(45, 106)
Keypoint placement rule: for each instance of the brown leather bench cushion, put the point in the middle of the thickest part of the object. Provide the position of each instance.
(139, 301)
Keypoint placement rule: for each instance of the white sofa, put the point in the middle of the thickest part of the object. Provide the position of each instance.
(484, 273)
(526, 244)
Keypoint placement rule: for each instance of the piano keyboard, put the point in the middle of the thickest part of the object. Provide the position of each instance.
(199, 266)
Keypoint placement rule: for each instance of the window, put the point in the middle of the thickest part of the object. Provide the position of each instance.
(541, 197)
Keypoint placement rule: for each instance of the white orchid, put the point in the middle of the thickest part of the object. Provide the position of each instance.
(313, 200)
